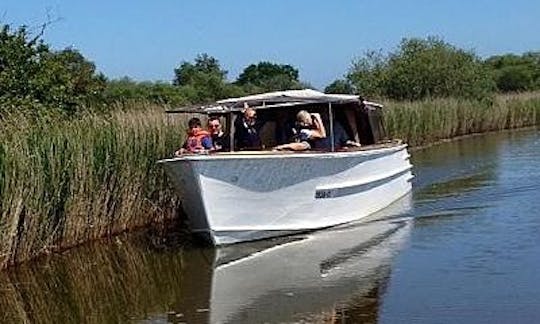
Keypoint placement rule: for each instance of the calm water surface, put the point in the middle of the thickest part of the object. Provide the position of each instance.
(464, 247)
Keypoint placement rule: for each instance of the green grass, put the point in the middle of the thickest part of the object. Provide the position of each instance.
(65, 182)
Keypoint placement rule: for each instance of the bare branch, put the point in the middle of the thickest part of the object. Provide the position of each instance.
(44, 26)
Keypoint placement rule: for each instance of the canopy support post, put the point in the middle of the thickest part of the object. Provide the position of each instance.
(331, 121)
(232, 122)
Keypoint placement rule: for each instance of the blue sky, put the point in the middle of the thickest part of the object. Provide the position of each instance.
(147, 40)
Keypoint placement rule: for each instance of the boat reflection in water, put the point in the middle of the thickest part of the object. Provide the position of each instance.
(314, 277)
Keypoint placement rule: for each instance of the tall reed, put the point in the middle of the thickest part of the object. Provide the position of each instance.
(64, 182)
(427, 121)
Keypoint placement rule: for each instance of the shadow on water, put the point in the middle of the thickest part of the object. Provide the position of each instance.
(316, 277)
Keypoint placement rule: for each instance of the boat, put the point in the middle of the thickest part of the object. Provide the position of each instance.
(237, 196)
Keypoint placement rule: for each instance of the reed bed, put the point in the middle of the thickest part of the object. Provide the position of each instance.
(428, 121)
(65, 182)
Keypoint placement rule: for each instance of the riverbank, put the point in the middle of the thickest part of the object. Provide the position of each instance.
(66, 182)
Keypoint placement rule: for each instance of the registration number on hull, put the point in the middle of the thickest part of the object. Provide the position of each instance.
(325, 193)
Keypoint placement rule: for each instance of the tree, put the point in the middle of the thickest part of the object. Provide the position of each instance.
(188, 72)
(33, 76)
(433, 68)
(340, 86)
(368, 74)
(514, 78)
(125, 90)
(267, 76)
(514, 72)
(19, 62)
(204, 80)
(422, 68)
(67, 80)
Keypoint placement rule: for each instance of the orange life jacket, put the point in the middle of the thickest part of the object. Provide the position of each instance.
(194, 141)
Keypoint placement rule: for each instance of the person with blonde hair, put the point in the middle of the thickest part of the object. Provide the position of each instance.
(310, 129)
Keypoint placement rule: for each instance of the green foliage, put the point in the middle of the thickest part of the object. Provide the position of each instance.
(368, 74)
(514, 78)
(67, 80)
(126, 91)
(19, 61)
(421, 68)
(267, 76)
(203, 80)
(340, 86)
(188, 73)
(516, 73)
(433, 68)
(33, 76)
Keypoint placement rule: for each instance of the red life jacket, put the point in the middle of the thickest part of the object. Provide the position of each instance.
(194, 141)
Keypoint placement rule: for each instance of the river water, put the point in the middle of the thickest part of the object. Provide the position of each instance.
(464, 247)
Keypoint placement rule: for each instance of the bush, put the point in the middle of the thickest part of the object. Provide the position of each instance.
(267, 76)
(418, 69)
(126, 91)
(516, 73)
(32, 76)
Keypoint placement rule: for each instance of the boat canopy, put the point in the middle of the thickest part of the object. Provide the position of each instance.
(304, 95)
(276, 99)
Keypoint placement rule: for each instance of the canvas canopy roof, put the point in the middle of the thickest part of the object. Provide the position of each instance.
(275, 99)
(292, 96)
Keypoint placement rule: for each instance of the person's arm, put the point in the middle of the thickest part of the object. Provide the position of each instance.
(299, 146)
(319, 131)
(181, 150)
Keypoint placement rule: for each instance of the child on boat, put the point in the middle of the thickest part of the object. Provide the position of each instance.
(198, 140)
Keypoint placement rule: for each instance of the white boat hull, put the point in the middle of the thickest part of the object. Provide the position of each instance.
(231, 198)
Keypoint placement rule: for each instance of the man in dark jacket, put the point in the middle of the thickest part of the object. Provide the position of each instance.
(247, 129)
